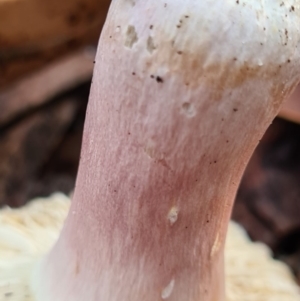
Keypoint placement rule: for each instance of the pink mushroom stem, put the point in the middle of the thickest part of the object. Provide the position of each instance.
(291, 108)
(182, 92)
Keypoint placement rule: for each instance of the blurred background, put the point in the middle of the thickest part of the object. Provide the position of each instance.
(47, 50)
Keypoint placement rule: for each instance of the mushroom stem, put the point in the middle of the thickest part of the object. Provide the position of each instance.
(182, 92)
(291, 108)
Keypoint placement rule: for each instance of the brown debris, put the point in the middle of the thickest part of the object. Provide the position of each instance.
(32, 32)
(41, 121)
(42, 86)
(26, 147)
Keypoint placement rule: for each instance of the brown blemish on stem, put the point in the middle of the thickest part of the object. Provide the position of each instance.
(188, 109)
(131, 36)
(159, 79)
(164, 163)
(220, 76)
(158, 158)
(195, 67)
(150, 44)
(77, 268)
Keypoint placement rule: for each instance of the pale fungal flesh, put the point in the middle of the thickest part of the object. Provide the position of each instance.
(251, 273)
(171, 121)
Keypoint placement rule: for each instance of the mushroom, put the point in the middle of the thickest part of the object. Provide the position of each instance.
(182, 92)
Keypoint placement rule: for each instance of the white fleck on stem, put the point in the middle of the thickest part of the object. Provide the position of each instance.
(167, 291)
(173, 215)
(216, 246)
